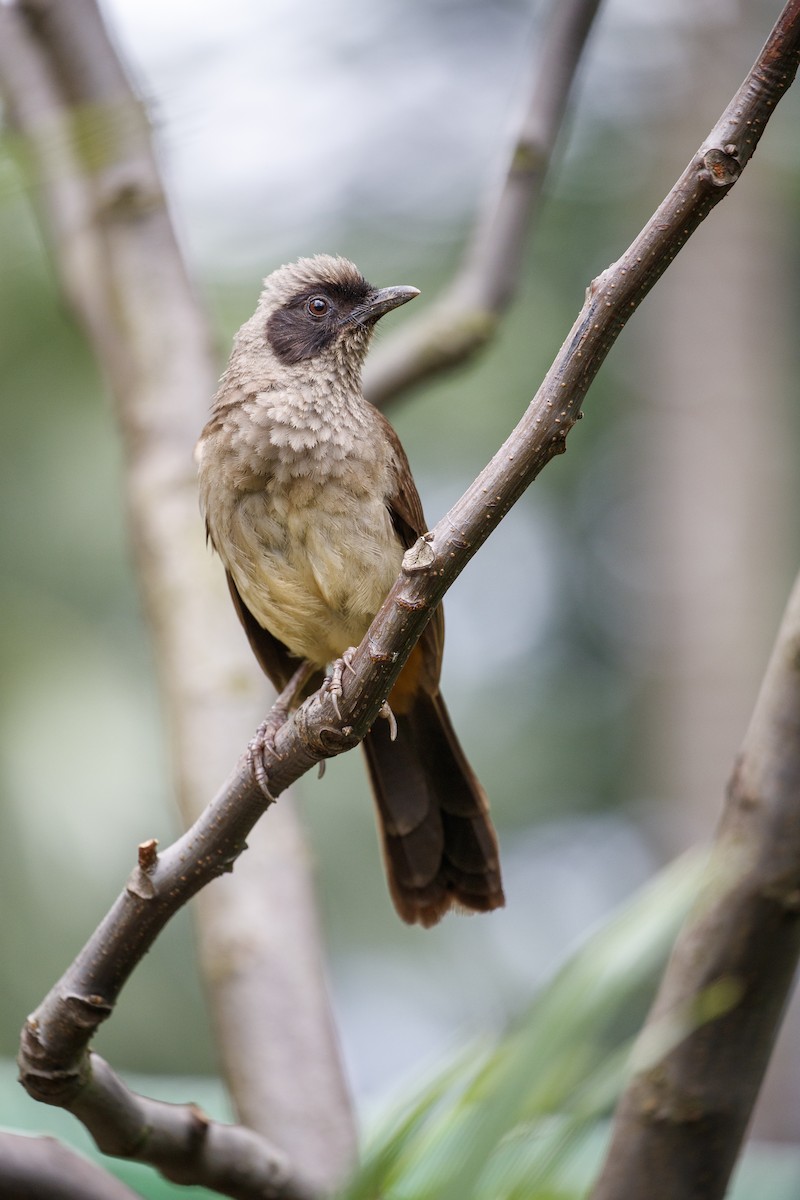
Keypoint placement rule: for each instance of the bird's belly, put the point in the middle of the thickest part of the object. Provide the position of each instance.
(314, 567)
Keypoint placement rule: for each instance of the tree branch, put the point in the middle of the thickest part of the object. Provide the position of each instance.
(55, 1061)
(183, 1143)
(40, 1168)
(465, 317)
(86, 145)
(679, 1125)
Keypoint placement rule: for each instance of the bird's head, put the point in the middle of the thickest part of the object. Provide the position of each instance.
(323, 307)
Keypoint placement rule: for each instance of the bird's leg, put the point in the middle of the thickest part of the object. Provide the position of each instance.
(333, 682)
(334, 685)
(264, 739)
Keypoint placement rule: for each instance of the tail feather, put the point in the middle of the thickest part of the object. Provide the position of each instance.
(439, 845)
(415, 856)
(471, 843)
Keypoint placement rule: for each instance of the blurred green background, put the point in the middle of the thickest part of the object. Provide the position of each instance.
(605, 647)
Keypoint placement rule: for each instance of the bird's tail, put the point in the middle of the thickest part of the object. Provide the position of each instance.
(439, 844)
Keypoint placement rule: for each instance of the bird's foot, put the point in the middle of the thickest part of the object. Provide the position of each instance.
(333, 682)
(387, 714)
(264, 742)
(264, 739)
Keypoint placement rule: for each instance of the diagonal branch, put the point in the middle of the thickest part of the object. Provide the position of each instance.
(679, 1125)
(465, 317)
(55, 1059)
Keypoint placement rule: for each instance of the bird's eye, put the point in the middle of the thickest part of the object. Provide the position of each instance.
(317, 306)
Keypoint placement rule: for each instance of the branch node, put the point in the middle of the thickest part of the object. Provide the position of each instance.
(325, 741)
(123, 195)
(333, 741)
(528, 158)
(140, 884)
(419, 557)
(148, 855)
(42, 1080)
(720, 167)
(377, 655)
(409, 604)
(88, 1011)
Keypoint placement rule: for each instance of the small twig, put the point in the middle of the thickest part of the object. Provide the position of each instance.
(54, 1058)
(465, 317)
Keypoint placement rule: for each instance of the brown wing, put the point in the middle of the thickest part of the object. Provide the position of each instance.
(408, 519)
(439, 844)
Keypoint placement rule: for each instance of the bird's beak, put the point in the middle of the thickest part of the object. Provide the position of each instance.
(383, 301)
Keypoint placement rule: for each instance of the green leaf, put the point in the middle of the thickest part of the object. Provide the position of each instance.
(501, 1119)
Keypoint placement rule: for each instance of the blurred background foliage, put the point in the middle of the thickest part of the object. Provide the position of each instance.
(605, 647)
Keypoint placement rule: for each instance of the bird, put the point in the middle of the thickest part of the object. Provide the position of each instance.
(309, 501)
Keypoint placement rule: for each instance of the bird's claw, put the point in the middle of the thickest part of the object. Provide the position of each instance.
(264, 740)
(387, 714)
(334, 680)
